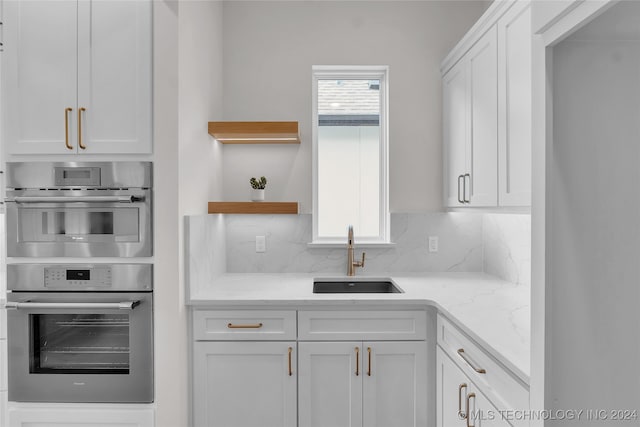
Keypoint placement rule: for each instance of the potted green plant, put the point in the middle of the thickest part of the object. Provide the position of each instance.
(257, 188)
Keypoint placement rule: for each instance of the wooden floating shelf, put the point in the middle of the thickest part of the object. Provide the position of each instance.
(255, 132)
(253, 207)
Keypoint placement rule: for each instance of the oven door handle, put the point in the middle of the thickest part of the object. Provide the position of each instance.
(125, 305)
(77, 199)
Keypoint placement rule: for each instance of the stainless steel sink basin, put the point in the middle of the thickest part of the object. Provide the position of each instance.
(355, 286)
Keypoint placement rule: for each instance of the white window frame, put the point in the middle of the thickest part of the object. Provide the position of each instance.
(351, 72)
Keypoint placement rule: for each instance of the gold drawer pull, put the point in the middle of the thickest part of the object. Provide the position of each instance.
(461, 414)
(80, 144)
(290, 368)
(357, 361)
(369, 356)
(66, 128)
(462, 354)
(249, 326)
(469, 396)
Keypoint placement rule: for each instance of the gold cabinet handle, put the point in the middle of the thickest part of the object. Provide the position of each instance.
(290, 368)
(357, 361)
(462, 354)
(469, 396)
(66, 128)
(369, 357)
(247, 326)
(461, 414)
(80, 144)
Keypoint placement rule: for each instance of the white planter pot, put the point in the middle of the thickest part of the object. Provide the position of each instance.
(257, 195)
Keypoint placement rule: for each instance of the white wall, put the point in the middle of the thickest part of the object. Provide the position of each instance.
(593, 236)
(170, 319)
(198, 163)
(200, 100)
(269, 48)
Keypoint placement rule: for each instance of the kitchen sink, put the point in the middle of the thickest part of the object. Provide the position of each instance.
(355, 286)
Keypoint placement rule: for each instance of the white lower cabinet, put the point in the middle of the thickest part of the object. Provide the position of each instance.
(330, 384)
(245, 384)
(357, 383)
(472, 388)
(343, 368)
(451, 388)
(395, 384)
(311, 368)
(459, 401)
(81, 416)
(362, 368)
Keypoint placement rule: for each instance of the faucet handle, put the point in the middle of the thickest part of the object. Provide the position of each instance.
(360, 263)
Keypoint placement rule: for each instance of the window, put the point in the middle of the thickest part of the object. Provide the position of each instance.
(350, 154)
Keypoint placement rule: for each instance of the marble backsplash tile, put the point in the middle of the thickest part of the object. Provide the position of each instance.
(498, 244)
(205, 253)
(287, 236)
(506, 239)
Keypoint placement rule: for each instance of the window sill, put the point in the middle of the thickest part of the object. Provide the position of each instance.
(343, 245)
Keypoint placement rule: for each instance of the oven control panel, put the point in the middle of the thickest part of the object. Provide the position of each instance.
(81, 277)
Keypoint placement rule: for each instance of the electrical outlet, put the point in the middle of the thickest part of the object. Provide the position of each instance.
(261, 244)
(433, 243)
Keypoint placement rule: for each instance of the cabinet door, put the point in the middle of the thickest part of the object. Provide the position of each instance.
(395, 384)
(330, 381)
(482, 413)
(452, 387)
(114, 76)
(455, 124)
(39, 76)
(244, 384)
(514, 101)
(457, 398)
(482, 158)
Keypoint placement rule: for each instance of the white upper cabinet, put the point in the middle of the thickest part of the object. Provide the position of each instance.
(77, 77)
(514, 105)
(456, 129)
(470, 126)
(487, 111)
(482, 163)
(39, 75)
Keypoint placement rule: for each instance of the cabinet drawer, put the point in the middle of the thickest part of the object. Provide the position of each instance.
(501, 387)
(257, 325)
(362, 325)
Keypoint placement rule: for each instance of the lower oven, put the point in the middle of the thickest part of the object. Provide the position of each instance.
(87, 338)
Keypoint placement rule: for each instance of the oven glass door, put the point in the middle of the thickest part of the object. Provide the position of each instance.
(78, 224)
(80, 343)
(80, 347)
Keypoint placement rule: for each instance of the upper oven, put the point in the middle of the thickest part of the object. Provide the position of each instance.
(91, 209)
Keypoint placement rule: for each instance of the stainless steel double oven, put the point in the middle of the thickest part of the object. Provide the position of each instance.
(79, 331)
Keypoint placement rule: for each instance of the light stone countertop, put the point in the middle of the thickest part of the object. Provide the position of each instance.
(493, 312)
